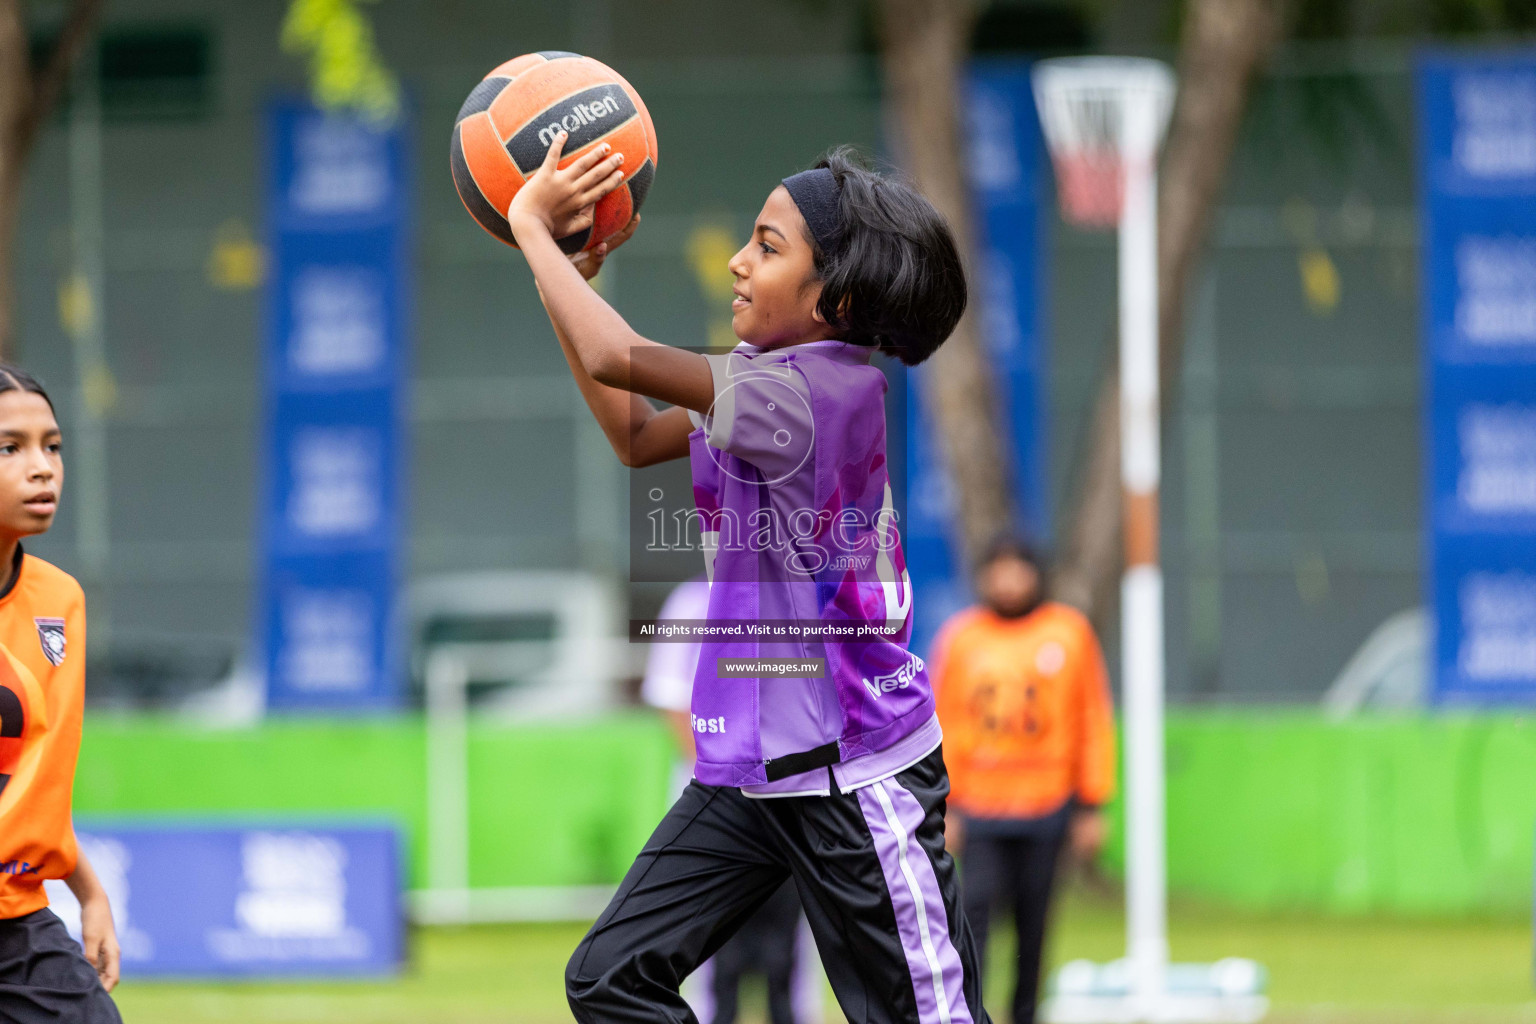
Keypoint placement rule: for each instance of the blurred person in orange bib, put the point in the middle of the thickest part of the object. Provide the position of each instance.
(44, 973)
(1029, 740)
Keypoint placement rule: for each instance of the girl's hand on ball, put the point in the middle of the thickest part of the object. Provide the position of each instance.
(560, 199)
(591, 261)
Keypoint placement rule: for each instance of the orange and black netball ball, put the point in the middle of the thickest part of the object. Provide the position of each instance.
(505, 127)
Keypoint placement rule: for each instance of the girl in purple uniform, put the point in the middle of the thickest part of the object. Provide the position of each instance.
(818, 748)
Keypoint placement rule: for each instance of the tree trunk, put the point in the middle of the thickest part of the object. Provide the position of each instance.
(27, 98)
(923, 48)
(1224, 45)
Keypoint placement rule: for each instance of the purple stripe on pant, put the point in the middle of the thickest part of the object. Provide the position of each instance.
(699, 990)
(894, 816)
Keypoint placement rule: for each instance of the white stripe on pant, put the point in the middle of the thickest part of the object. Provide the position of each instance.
(914, 891)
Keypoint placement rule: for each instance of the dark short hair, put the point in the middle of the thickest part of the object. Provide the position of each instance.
(895, 281)
(1013, 546)
(14, 378)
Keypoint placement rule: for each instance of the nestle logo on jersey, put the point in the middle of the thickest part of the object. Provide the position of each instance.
(581, 114)
(897, 680)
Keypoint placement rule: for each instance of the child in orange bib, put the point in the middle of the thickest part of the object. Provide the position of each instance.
(1030, 743)
(44, 974)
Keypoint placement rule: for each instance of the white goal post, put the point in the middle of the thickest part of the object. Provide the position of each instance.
(1104, 120)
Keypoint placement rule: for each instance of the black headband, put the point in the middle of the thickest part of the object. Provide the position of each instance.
(815, 192)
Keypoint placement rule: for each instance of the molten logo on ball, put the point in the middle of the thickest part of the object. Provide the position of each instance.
(507, 124)
(581, 114)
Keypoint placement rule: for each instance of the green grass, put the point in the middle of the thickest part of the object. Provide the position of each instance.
(456, 976)
(1326, 969)
(1322, 971)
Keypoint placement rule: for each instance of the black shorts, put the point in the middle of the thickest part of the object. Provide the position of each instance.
(45, 977)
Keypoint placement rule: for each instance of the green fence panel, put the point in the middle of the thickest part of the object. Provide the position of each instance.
(1431, 814)
(1266, 809)
(550, 803)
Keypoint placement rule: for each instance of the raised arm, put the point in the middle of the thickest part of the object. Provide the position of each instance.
(609, 351)
(640, 435)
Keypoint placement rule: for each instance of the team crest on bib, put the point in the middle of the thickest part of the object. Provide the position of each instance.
(50, 633)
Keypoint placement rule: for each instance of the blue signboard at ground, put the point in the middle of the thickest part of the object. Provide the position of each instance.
(335, 365)
(1478, 192)
(213, 901)
(1005, 162)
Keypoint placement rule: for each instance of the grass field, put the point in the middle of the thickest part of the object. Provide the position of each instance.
(1322, 970)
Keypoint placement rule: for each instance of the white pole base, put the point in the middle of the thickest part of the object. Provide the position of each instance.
(1230, 991)
(1164, 1009)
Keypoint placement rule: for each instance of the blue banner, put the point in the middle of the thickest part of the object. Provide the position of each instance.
(1477, 150)
(1006, 160)
(195, 900)
(335, 367)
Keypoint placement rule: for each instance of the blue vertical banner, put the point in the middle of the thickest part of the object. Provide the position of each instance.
(335, 364)
(1005, 158)
(1477, 149)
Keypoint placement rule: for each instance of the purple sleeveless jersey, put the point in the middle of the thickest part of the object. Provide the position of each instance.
(794, 501)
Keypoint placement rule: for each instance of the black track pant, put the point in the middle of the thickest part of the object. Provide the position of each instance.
(45, 977)
(880, 893)
(1016, 870)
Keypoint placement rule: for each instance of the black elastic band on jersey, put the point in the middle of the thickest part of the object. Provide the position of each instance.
(807, 760)
(815, 193)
